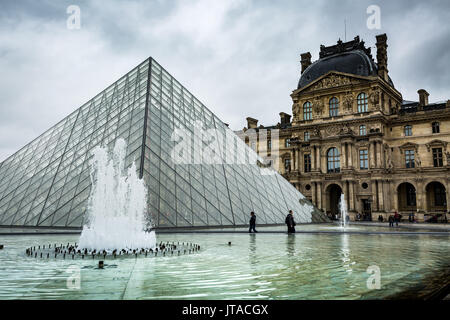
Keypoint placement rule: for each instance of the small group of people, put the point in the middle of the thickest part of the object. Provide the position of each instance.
(394, 219)
(289, 222)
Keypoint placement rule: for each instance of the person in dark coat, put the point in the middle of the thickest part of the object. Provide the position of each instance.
(396, 218)
(391, 221)
(252, 222)
(290, 222)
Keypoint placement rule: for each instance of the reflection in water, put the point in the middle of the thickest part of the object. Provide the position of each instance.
(262, 266)
(345, 253)
(290, 245)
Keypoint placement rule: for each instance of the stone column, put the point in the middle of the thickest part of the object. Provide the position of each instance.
(350, 155)
(319, 195)
(351, 195)
(343, 157)
(313, 158)
(313, 193)
(380, 195)
(421, 197)
(382, 158)
(375, 196)
(372, 154)
(318, 158)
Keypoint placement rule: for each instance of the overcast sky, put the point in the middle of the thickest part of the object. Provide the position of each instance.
(239, 57)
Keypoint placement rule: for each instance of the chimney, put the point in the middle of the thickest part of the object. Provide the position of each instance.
(423, 97)
(382, 58)
(305, 60)
(252, 123)
(285, 118)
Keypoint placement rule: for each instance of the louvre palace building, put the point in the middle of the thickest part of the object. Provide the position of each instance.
(352, 132)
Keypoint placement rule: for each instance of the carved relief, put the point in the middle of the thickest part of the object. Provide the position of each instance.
(346, 129)
(389, 161)
(316, 133)
(374, 98)
(332, 131)
(318, 106)
(348, 103)
(332, 81)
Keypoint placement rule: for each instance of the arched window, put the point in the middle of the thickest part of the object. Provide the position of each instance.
(333, 160)
(362, 102)
(362, 130)
(307, 111)
(334, 107)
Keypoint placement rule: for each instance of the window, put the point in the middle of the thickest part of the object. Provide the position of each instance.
(334, 107)
(437, 157)
(287, 165)
(306, 136)
(333, 160)
(364, 159)
(253, 145)
(269, 144)
(408, 131)
(307, 111)
(307, 162)
(435, 127)
(364, 185)
(409, 158)
(362, 130)
(287, 143)
(362, 102)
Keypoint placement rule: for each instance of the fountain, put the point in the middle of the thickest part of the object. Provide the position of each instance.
(117, 205)
(343, 211)
(116, 225)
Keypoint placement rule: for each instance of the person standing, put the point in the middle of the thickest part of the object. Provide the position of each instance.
(391, 221)
(396, 218)
(252, 222)
(290, 222)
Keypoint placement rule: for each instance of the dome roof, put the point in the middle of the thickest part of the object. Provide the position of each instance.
(349, 57)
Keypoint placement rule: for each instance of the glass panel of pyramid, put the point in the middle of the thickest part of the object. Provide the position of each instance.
(213, 180)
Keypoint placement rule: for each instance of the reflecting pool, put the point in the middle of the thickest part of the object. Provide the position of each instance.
(254, 266)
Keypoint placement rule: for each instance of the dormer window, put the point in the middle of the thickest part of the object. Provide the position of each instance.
(435, 127)
(408, 130)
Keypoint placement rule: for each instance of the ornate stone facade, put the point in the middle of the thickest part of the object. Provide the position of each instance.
(385, 154)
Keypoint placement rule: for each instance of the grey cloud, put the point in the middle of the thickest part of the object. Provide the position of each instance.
(240, 57)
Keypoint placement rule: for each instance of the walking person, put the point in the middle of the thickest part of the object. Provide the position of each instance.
(290, 222)
(252, 222)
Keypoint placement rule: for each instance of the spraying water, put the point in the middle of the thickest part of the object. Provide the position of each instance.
(343, 210)
(117, 204)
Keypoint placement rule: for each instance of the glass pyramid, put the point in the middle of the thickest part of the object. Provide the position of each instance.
(47, 183)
